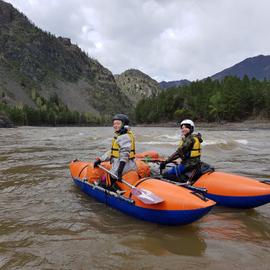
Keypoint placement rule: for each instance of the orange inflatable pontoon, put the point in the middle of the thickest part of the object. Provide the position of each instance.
(178, 206)
(226, 189)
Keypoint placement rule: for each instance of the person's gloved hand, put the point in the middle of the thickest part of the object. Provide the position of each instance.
(120, 170)
(97, 162)
(162, 165)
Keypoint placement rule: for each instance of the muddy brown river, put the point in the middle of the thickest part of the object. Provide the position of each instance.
(48, 223)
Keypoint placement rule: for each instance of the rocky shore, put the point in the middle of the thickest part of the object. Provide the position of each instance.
(248, 124)
(4, 121)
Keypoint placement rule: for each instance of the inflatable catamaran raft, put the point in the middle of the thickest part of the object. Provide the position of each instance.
(141, 196)
(161, 201)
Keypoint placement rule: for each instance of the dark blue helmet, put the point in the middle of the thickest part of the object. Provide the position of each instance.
(121, 117)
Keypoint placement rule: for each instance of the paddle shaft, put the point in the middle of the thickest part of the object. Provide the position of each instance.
(187, 185)
(204, 190)
(116, 177)
(143, 195)
(155, 160)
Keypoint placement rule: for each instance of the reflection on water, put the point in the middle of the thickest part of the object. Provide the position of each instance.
(185, 241)
(47, 223)
(237, 225)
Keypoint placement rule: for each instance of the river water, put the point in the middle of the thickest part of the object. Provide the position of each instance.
(48, 223)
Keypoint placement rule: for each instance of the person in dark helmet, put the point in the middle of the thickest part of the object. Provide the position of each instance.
(122, 151)
(189, 150)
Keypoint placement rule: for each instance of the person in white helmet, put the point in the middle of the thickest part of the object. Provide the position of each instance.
(189, 150)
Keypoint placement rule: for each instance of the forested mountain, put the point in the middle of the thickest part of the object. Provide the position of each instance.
(234, 94)
(48, 75)
(254, 67)
(230, 99)
(137, 85)
(257, 67)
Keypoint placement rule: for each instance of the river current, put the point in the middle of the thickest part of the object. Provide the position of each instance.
(48, 223)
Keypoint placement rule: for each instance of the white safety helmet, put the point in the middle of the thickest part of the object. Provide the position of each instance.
(189, 123)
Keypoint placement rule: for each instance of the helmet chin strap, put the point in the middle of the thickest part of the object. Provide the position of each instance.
(123, 129)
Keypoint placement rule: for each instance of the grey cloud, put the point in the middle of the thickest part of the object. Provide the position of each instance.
(167, 39)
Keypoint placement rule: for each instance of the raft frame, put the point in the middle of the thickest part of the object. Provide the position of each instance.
(128, 206)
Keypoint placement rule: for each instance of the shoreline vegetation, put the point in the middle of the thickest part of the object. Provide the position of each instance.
(51, 112)
(211, 101)
(223, 125)
(262, 123)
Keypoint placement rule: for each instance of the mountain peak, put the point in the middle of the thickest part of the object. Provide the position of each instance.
(136, 85)
(35, 60)
(7, 13)
(254, 67)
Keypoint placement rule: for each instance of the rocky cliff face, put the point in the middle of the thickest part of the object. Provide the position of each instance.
(31, 59)
(136, 85)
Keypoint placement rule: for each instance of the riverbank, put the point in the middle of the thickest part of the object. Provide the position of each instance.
(5, 122)
(247, 124)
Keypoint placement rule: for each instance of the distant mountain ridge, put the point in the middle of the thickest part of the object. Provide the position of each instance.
(169, 84)
(257, 67)
(136, 85)
(36, 61)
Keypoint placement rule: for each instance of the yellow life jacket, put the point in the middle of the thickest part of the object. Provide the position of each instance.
(196, 149)
(115, 149)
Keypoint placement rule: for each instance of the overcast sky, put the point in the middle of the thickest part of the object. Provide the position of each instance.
(166, 39)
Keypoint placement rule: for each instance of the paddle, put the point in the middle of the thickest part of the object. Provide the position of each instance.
(150, 159)
(146, 196)
(266, 182)
(187, 185)
(154, 160)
